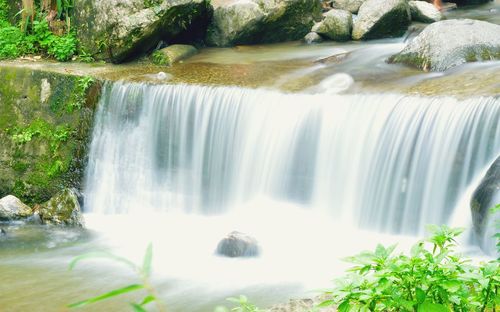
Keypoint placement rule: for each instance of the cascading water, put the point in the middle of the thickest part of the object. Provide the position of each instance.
(385, 162)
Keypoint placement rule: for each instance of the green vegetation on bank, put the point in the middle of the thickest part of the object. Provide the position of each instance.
(38, 31)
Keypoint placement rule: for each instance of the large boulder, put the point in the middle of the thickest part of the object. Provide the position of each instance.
(261, 21)
(62, 209)
(486, 196)
(449, 43)
(12, 208)
(348, 5)
(381, 19)
(425, 12)
(336, 25)
(238, 244)
(120, 30)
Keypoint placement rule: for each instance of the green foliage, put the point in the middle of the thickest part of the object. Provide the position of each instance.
(432, 278)
(55, 136)
(242, 305)
(82, 86)
(495, 210)
(159, 58)
(143, 272)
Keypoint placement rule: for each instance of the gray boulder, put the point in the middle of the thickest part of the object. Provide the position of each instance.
(260, 21)
(425, 12)
(12, 208)
(348, 5)
(62, 209)
(336, 25)
(381, 19)
(486, 196)
(449, 43)
(238, 244)
(120, 30)
(312, 37)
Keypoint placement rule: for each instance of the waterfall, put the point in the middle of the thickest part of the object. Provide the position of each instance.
(386, 162)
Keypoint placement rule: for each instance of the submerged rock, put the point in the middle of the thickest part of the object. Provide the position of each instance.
(445, 44)
(425, 12)
(348, 5)
(62, 209)
(261, 21)
(120, 30)
(381, 19)
(336, 25)
(174, 53)
(12, 208)
(312, 37)
(238, 244)
(486, 196)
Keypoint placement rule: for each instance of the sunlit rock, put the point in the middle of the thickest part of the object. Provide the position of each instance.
(336, 25)
(446, 44)
(425, 12)
(12, 208)
(62, 209)
(348, 5)
(238, 244)
(260, 21)
(381, 19)
(312, 37)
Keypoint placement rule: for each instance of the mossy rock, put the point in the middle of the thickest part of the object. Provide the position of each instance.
(135, 27)
(62, 209)
(446, 44)
(45, 124)
(172, 54)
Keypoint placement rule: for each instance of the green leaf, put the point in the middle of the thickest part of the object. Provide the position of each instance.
(432, 307)
(326, 303)
(138, 308)
(105, 255)
(344, 306)
(420, 295)
(113, 293)
(146, 263)
(59, 8)
(147, 300)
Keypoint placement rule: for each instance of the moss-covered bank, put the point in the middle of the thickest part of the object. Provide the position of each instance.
(45, 122)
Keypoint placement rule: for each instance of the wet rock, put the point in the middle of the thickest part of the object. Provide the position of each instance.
(62, 209)
(173, 54)
(121, 30)
(381, 19)
(261, 21)
(446, 44)
(238, 244)
(425, 12)
(469, 2)
(2, 232)
(34, 218)
(486, 196)
(312, 37)
(336, 25)
(12, 208)
(348, 5)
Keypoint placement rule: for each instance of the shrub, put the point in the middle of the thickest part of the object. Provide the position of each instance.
(433, 278)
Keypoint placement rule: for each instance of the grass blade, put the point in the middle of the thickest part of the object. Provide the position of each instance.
(105, 255)
(148, 257)
(138, 308)
(107, 295)
(147, 300)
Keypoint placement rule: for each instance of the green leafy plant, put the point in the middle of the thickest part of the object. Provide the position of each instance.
(160, 58)
(495, 210)
(144, 273)
(242, 305)
(433, 278)
(82, 86)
